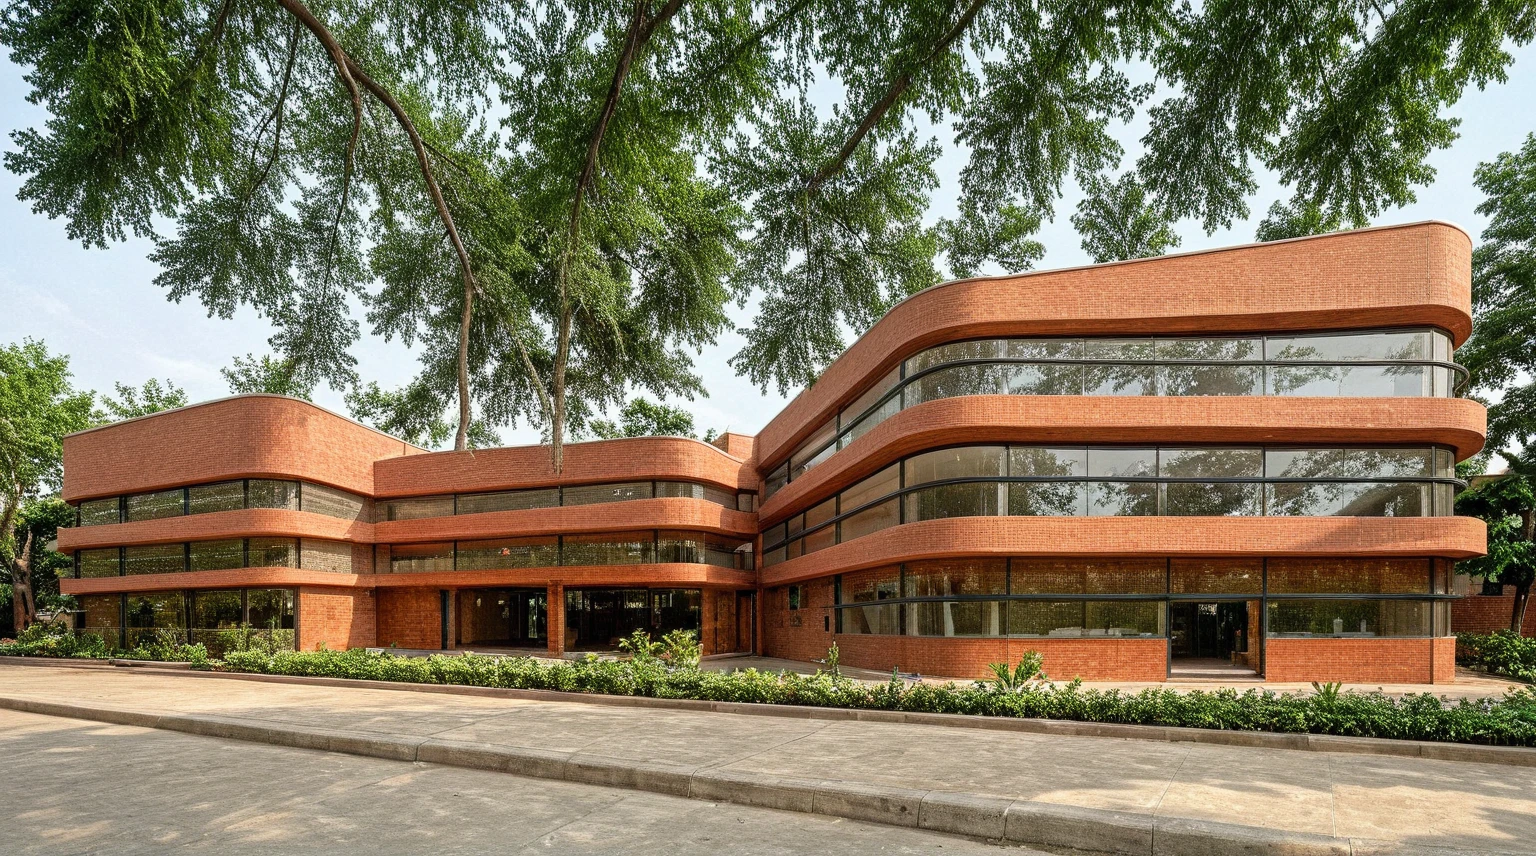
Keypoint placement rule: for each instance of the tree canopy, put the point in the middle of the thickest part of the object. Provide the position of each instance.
(132, 402)
(271, 375)
(558, 201)
(643, 418)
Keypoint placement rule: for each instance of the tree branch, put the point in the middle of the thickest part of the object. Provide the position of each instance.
(894, 92)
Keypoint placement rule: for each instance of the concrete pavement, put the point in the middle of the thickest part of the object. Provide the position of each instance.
(94, 788)
(1130, 796)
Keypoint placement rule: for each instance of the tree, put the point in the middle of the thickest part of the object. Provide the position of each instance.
(1295, 221)
(270, 375)
(260, 130)
(642, 418)
(390, 411)
(133, 402)
(1507, 503)
(1343, 101)
(38, 406)
(1118, 222)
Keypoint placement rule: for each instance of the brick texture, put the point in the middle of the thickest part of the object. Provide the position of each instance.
(336, 618)
(1387, 661)
(410, 618)
(1485, 614)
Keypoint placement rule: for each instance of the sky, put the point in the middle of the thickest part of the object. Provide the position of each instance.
(102, 308)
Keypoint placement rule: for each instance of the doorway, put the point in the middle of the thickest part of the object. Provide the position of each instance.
(1211, 639)
(503, 618)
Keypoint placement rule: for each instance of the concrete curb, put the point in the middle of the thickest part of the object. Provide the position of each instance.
(989, 817)
(1515, 756)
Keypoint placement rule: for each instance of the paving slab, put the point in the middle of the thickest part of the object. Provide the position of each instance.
(883, 771)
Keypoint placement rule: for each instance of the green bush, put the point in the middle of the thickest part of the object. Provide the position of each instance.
(57, 640)
(1501, 652)
(1510, 720)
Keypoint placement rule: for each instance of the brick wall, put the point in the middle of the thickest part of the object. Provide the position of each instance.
(339, 618)
(1387, 661)
(410, 618)
(1485, 614)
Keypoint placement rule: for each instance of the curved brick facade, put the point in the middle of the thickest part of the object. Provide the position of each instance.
(557, 570)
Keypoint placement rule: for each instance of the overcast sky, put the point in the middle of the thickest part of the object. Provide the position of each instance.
(103, 309)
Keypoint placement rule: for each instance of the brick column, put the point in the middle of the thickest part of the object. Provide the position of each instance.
(554, 617)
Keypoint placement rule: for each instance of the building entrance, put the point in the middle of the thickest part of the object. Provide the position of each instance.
(1212, 639)
(508, 618)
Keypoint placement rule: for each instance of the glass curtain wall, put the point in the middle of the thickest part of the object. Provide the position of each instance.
(1382, 363)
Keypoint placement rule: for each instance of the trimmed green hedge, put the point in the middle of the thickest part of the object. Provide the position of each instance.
(1500, 653)
(1510, 720)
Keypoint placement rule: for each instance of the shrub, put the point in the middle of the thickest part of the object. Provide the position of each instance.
(1501, 652)
(1510, 720)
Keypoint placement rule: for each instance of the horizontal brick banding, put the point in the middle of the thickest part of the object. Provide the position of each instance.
(637, 459)
(245, 436)
(1064, 659)
(1382, 660)
(1045, 419)
(337, 619)
(247, 523)
(657, 575)
(1418, 274)
(668, 513)
(231, 578)
(1487, 613)
(1449, 537)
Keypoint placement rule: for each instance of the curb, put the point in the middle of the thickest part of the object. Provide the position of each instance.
(993, 818)
(1514, 756)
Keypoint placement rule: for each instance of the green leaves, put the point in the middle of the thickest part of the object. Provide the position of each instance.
(38, 406)
(642, 418)
(133, 402)
(1118, 222)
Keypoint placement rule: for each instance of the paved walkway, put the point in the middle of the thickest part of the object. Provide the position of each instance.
(1470, 807)
(126, 791)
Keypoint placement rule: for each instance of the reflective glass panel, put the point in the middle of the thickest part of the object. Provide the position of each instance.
(1213, 499)
(1211, 463)
(323, 499)
(420, 558)
(511, 500)
(1347, 463)
(947, 577)
(418, 508)
(96, 512)
(154, 559)
(620, 548)
(982, 349)
(872, 519)
(272, 552)
(536, 552)
(1348, 576)
(223, 496)
(1335, 347)
(1216, 576)
(1048, 499)
(154, 506)
(881, 484)
(594, 494)
(954, 500)
(99, 563)
(217, 555)
(1348, 618)
(1349, 499)
(270, 609)
(271, 493)
(1085, 619)
(959, 619)
(966, 462)
(1088, 576)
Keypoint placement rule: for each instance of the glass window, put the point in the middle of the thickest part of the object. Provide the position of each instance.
(1348, 576)
(222, 496)
(955, 618)
(154, 559)
(727, 553)
(1122, 379)
(332, 557)
(272, 552)
(99, 563)
(154, 506)
(1212, 378)
(1349, 499)
(955, 577)
(1088, 576)
(1045, 379)
(969, 499)
(852, 425)
(684, 490)
(217, 555)
(512, 500)
(1337, 617)
(725, 497)
(1122, 463)
(1048, 462)
(676, 609)
(1084, 618)
(820, 539)
(1444, 463)
(965, 462)
(1211, 463)
(96, 512)
(881, 484)
(820, 513)
(882, 619)
(536, 552)
(1347, 463)
(420, 558)
(270, 609)
(1048, 499)
(1122, 499)
(418, 508)
(816, 448)
(217, 610)
(321, 499)
(983, 379)
(595, 494)
(1219, 499)
(1335, 347)
(687, 547)
(1216, 576)
(101, 614)
(870, 585)
(1352, 381)
(981, 349)
(154, 616)
(776, 480)
(1046, 349)
(620, 548)
(746, 501)
(270, 493)
(872, 519)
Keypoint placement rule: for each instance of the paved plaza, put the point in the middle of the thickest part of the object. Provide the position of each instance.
(1452, 805)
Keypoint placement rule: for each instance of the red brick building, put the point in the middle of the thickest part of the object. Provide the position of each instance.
(1240, 456)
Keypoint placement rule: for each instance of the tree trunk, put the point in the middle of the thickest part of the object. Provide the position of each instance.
(1517, 613)
(23, 599)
